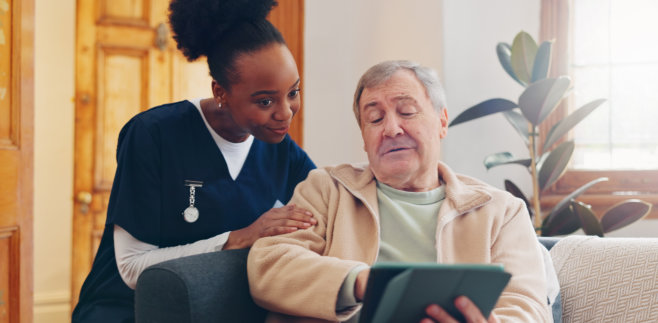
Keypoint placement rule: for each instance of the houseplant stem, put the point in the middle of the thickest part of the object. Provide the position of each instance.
(535, 182)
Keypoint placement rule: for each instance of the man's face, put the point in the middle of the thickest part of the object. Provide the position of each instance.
(401, 132)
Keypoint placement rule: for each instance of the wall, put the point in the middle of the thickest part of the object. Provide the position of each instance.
(343, 39)
(473, 74)
(53, 153)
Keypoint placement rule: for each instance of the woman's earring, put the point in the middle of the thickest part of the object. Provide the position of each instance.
(219, 105)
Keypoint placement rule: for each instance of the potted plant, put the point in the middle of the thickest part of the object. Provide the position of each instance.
(528, 64)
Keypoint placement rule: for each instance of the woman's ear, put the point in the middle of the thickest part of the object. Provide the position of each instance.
(218, 92)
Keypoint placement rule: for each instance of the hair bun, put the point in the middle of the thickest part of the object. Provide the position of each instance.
(198, 24)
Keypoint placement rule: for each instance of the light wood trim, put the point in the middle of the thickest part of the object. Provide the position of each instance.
(85, 114)
(556, 22)
(288, 17)
(125, 37)
(23, 84)
(110, 20)
(11, 234)
(11, 142)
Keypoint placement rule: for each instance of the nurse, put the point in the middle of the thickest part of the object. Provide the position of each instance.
(209, 174)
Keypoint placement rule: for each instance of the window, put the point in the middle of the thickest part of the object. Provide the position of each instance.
(615, 56)
(609, 49)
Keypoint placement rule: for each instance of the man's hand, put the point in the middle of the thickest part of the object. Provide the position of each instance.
(360, 284)
(465, 306)
(276, 221)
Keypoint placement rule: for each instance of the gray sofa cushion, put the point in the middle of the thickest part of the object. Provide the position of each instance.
(212, 287)
(209, 287)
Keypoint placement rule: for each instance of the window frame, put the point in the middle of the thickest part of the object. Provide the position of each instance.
(556, 24)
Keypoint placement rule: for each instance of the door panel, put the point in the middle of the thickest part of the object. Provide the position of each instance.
(127, 61)
(16, 159)
(121, 94)
(9, 261)
(8, 113)
(126, 10)
(190, 79)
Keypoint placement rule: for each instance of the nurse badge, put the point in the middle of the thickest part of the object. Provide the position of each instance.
(191, 214)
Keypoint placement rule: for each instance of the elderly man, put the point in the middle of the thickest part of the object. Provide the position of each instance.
(406, 205)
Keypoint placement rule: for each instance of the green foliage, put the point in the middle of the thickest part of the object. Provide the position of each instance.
(528, 64)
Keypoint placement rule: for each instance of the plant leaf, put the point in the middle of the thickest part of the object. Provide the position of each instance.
(562, 127)
(512, 188)
(524, 50)
(567, 199)
(483, 109)
(504, 158)
(561, 223)
(624, 213)
(542, 97)
(588, 220)
(555, 164)
(504, 51)
(519, 123)
(542, 62)
(542, 159)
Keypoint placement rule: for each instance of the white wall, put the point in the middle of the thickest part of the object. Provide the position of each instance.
(473, 74)
(343, 39)
(53, 153)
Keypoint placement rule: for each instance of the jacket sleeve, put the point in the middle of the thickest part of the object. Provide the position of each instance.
(524, 299)
(291, 273)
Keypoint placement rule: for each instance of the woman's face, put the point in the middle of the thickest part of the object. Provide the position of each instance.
(266, 95)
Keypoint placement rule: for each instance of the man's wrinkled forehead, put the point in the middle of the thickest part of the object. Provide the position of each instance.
(402, 85)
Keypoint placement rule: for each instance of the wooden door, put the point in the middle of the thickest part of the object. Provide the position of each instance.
(126, 61)
(16, 159)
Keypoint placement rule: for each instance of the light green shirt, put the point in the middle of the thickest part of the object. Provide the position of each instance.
(408, 224)
(407, 232)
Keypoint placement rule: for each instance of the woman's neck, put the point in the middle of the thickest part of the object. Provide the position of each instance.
(221, 121)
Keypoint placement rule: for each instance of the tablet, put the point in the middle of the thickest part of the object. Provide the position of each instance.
(400, 292)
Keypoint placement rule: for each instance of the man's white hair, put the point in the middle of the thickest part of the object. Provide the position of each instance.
(383, 71)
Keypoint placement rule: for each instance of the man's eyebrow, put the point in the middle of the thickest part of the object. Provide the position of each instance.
(272, 92)
(370, 104)
(404, 97)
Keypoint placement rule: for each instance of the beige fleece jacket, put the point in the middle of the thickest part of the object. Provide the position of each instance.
(299, 274)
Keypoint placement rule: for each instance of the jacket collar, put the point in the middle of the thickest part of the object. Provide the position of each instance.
(463, 192)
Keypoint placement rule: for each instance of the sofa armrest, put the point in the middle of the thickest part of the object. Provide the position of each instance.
(607, 279)
(209, 287)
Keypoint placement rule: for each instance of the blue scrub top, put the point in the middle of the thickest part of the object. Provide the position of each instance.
(158, 151)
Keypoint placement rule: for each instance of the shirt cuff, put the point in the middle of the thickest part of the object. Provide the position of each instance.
(220, 240)
(346, 298)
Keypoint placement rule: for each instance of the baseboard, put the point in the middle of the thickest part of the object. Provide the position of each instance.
(52, 307)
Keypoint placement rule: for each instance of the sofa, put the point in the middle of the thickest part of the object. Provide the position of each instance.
(601, 280)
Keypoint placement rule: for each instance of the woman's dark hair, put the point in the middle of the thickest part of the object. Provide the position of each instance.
(221, 30)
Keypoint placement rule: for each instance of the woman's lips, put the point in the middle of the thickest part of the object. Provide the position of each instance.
(280, 131)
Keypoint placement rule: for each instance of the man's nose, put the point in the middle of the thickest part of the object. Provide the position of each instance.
(392, 127)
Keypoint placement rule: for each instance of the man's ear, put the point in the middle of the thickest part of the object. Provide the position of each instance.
(443, 117)
(218, 92)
